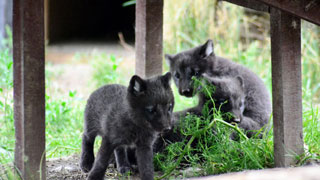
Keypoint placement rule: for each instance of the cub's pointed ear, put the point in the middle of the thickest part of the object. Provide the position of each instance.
(206, 49)
(169, 59)
(206, 76)
(212, 80)
(137, 86)
(240, 80)
(166, 79)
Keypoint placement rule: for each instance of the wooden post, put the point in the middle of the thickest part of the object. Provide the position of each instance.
(29, 88)
(286, 87)
(149, 28)
(46, 22)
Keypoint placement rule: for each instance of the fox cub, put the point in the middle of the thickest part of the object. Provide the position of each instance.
(126, 117)
(201, 60)
(228, 96)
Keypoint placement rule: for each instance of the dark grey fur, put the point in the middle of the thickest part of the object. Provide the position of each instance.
(126, 117)
(200, 60)
(228, 96)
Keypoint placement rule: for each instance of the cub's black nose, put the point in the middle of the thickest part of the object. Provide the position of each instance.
(187, 92)
(166, 130)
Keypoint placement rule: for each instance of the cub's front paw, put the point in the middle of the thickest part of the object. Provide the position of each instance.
(86, 164)
(95, 175)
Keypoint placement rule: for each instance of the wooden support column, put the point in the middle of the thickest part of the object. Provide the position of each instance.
(29, 88)
(149, 28)
(286, 87)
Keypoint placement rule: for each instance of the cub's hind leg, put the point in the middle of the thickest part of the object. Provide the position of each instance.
(102, 161)
(121, 155)
(87, 154)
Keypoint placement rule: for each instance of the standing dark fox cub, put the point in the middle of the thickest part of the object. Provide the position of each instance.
(126, 117)
(200, 60)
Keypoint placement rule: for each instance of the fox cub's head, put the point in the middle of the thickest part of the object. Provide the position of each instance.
(189, 63)
(229, 96)
(152, 101)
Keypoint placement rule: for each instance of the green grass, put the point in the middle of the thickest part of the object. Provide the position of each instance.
(187, 23)
(6, 104)
(209, 148)
(64, 121)
(106, 69)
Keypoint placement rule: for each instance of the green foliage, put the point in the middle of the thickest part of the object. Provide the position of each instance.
(311, 134)
(105, 69)
(6, 63)
(64, 123)
(6, 106)
(7, 172)
(7, 42)
(310, 40)
(207, 146)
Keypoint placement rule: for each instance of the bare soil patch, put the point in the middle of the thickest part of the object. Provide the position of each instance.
(68, 168)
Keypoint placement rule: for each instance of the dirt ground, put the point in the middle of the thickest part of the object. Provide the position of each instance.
(68, 169)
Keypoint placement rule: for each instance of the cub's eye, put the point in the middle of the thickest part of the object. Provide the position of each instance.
(170, 108)
(177, 75)
(151, 109)
(222, 101)
(197, 73)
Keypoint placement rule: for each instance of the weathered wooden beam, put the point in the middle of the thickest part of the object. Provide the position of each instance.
(286, 87)
(29, 88)
(305, 9)
(149, 29)
(252, 4)
(46, 21)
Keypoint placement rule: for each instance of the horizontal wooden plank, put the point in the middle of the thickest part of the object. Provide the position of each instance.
(305, 9)
(252, 4)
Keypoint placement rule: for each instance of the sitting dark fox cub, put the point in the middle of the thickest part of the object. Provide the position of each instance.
(126, 117)
(229, 97)
(200, 60)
